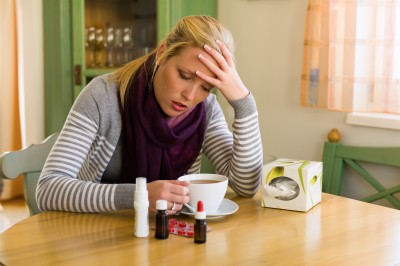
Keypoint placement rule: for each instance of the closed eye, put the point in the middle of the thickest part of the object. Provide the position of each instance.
(184, 76)
(207, 89)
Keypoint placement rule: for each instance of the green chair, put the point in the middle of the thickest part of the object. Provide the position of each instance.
(336, 156)
(29, 162)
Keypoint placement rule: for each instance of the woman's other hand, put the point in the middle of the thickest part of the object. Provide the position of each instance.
(173, 191)
(227, 79)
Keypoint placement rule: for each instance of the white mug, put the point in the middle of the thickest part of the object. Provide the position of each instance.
(209, 188)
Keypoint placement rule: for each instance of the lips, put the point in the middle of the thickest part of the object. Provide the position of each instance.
(177, 106)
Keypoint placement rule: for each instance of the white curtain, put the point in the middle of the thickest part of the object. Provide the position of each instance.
(352, 56)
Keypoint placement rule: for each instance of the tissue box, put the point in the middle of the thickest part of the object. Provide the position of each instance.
(291, 184)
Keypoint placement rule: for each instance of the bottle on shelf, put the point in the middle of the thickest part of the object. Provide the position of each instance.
(99, 48)
(128, 45)
(110, 45)
(90, 44)
(119, 47)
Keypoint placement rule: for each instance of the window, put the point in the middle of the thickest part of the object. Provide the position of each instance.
(352, 56)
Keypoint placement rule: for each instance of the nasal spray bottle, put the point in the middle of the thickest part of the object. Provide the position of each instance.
(141, 206)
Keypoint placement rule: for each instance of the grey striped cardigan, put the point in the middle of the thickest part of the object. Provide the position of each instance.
(70, 180)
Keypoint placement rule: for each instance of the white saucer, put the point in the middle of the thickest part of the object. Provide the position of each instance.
(227, 207)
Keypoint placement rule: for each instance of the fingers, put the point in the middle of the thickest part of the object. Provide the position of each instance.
(172, 191)
(216, 82)
(208, 79)
(226, 53)
(178, 182)
(178, 187)
(211, 66)
(227, 79)
(222, 63)
(179, 194)
(222, 70)
(224, 58)
(178, 198)
(174, 208)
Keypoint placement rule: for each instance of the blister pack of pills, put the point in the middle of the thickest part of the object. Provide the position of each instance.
(181, 228)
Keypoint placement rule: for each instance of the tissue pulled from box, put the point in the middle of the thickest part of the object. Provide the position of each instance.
(282, 188)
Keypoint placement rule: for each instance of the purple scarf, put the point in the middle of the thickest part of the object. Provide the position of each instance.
(151, 148)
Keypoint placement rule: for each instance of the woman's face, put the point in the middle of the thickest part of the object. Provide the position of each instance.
(176, 85)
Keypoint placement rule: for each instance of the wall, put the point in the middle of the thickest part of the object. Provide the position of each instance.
(269, 47)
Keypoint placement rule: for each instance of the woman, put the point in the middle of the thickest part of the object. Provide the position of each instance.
(155, 117)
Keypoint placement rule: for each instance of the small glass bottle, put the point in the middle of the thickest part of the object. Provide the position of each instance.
(200, 227)
(127, 40)
(118, 48)
(110, 45)
(90, 45)
(99, 49)
(161, 220)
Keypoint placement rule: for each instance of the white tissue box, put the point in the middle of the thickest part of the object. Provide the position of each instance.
(291, 184)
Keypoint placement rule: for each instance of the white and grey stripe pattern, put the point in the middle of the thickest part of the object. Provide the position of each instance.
(237, 161)
(70, 158)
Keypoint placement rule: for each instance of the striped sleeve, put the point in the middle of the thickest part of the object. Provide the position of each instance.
(70, 180)
(237, 155)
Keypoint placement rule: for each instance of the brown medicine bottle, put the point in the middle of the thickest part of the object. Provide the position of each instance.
(200, 226)
(161, 220)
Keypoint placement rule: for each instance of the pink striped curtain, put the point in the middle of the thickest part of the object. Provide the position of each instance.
(352, 56)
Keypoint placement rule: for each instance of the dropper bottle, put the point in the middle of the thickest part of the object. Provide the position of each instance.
(161, 231)
(141, 206)
(200, 226)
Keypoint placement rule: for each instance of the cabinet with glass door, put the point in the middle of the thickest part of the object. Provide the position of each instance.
(87, 38)
(109, 34)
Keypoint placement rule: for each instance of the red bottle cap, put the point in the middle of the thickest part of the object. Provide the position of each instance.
(200, 213)
(200, 206)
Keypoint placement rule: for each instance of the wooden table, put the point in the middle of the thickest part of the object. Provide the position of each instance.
(338, 231)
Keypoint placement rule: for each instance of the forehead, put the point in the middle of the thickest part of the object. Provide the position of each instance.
(189, 52)
(188, 58)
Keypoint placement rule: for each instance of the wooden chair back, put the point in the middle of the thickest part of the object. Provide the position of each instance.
(336, 156)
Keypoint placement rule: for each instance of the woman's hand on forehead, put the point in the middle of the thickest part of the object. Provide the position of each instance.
(227, 79)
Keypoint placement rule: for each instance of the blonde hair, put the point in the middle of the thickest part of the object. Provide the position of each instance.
(190, 31)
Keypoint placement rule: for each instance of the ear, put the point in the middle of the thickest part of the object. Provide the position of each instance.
(160, 51)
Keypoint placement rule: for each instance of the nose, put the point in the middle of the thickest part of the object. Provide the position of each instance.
(189, 93)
